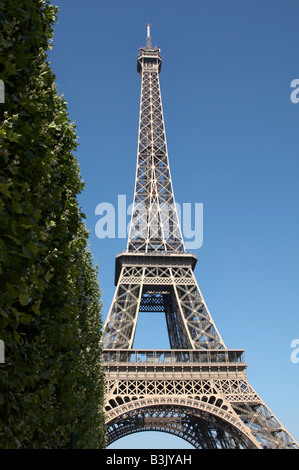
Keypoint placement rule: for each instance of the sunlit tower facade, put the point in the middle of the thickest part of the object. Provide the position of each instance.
(197, 389)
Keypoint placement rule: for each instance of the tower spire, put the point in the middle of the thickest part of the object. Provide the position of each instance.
(148, 36)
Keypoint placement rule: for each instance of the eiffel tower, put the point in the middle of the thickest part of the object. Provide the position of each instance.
(197, 389)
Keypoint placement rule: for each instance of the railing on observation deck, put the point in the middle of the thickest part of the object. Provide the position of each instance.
(173, 356)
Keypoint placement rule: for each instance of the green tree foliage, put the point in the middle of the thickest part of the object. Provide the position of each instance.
(51, 385)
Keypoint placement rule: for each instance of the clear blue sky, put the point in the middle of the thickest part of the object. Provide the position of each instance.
(232, 134)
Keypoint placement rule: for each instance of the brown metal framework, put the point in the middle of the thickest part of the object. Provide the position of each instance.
(197, 389)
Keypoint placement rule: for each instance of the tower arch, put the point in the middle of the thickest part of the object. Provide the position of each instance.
(204, 427)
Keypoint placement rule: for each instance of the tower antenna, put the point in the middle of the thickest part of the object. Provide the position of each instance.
(148, 35)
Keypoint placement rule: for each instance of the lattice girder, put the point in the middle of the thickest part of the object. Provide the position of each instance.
(154, 225)
(189, 322)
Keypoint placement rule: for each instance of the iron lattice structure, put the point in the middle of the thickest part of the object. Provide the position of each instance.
(198, 389)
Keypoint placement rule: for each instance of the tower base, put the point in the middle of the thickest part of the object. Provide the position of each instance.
(201, 396)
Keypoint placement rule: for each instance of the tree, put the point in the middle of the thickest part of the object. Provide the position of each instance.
(50, 310)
